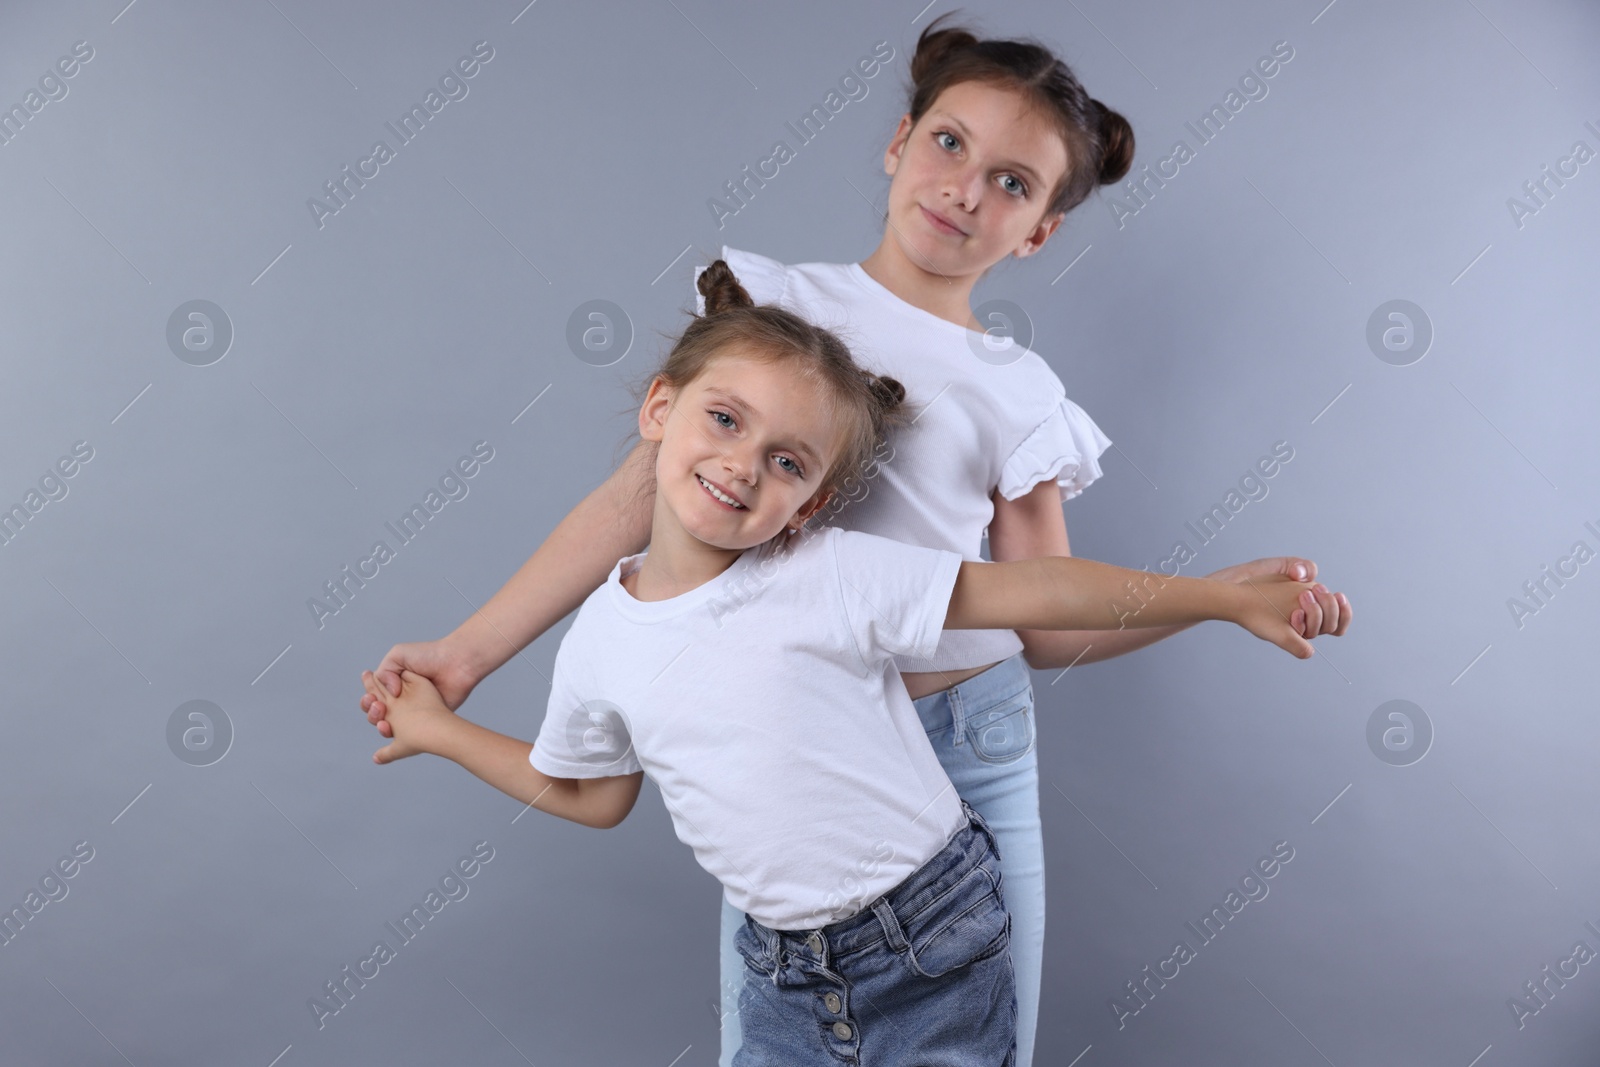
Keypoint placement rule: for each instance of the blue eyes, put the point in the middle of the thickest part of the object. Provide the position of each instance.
(950, 142)
(788, 465)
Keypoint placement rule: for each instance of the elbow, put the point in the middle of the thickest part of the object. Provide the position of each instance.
(1035, 653)
(1048, 650)
(595, 820)
(608, 818)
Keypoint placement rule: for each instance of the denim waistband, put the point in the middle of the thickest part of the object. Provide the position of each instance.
(969, 846)
(951, 706)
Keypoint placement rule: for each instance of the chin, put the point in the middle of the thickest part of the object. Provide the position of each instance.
(927, 249)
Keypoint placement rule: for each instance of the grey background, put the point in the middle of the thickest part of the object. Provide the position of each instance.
(1228, 314)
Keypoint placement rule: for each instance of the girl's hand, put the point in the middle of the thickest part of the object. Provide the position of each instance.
(414, 715)
(436, 661)
(1319, 610)
(1265, 607)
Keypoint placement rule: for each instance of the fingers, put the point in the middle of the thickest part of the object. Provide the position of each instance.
(1313, 609)
(390, 680)
(1345, 613)
(1293, 643)
(1307, 566)
(375, 708)
(1328, 602)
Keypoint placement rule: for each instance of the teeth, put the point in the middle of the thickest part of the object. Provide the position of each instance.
(725, 498)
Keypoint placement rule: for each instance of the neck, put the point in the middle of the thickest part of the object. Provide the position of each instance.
(677, 562)
(947, 296)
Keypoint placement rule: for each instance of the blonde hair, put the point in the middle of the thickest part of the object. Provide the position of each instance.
(861, 405)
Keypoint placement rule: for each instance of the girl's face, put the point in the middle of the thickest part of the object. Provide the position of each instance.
(972, 180)
(744, 447)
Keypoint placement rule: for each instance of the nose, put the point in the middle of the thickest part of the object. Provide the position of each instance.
(964, 185)
(741, 462)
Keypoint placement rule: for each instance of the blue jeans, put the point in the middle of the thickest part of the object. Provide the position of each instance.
(983, 733)
(922, 976)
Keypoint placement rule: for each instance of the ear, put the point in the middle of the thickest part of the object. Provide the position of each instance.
(897, 145)
(809, 508)
(655, 409)
(1038, 236)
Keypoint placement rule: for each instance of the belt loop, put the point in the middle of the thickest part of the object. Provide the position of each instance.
(890, 924)
(982, 825)
(772, 941)
(957, 715)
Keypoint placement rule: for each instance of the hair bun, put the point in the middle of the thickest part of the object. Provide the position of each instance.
(1116, 139)
(887, 391)
(936, 43)
(721, 288)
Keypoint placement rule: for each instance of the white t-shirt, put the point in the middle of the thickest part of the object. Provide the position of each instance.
(983, 426)
(766, 706)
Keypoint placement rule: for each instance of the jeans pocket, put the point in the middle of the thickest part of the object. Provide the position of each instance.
(1003, 731)
(968, 924)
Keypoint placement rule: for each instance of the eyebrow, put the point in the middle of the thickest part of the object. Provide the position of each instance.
(734, 401)
(968, 134)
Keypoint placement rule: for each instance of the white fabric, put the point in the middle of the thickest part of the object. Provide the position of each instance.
(766, 706)
(983, 426)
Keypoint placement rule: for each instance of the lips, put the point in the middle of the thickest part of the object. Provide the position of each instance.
(942, 224)
(708, 485)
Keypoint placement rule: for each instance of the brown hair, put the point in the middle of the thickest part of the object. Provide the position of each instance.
(862, 406)
(1099, 141)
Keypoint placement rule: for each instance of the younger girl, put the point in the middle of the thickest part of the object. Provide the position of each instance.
(999, 141)
(749, 669)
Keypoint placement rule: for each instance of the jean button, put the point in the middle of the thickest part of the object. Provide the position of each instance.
(841, 1031)
(815, 941)
(832, 1001)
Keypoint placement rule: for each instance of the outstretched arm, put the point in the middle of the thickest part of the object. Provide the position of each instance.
(1066, 593)
(1034, 525)
(611, 522)
(422, 723)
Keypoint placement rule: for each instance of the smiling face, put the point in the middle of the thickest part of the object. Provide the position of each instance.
(972, 180)
(744, 448)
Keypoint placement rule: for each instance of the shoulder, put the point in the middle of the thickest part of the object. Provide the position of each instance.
(873, 555)
(597, 618)
(1030, 373)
